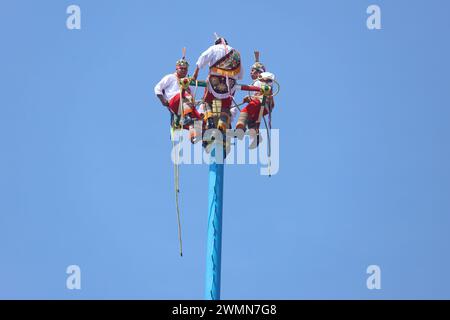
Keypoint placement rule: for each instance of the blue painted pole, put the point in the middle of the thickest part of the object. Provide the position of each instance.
(214, 242)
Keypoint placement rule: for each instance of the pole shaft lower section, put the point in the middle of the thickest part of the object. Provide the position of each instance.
(214, 241)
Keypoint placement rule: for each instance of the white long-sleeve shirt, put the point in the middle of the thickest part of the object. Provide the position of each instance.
(209, 58)
(259, 83)
(168, 86)
(214, 54)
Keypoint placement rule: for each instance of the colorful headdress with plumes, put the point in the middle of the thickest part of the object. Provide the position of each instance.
(182, 62)
(258, 65)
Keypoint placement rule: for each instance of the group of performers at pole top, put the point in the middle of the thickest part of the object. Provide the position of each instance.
(217, 109)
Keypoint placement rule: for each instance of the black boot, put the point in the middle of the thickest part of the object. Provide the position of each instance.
(187, 120)
(206, 143)
(211, 124)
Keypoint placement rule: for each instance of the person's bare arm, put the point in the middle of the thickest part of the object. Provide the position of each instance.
(194, 77)
(163, 100)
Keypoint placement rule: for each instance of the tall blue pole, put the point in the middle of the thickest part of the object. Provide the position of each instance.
(214, 242)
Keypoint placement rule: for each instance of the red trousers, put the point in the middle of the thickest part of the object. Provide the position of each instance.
(174, 104)
(253, 108)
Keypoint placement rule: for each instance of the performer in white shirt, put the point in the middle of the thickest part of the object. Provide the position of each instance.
(251, 113)
(224, 64)
(169, 92)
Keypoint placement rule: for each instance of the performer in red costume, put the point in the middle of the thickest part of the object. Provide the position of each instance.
(224, 64)
(251, 114)
(169, 91)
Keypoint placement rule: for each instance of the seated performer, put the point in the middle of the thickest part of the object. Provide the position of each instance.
(251, 114)
(169, 91)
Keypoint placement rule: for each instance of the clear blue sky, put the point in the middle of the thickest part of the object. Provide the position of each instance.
(86, 176)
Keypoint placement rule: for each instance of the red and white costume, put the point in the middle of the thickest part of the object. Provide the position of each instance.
(224, 71)
(253, 108)
(169, 87)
